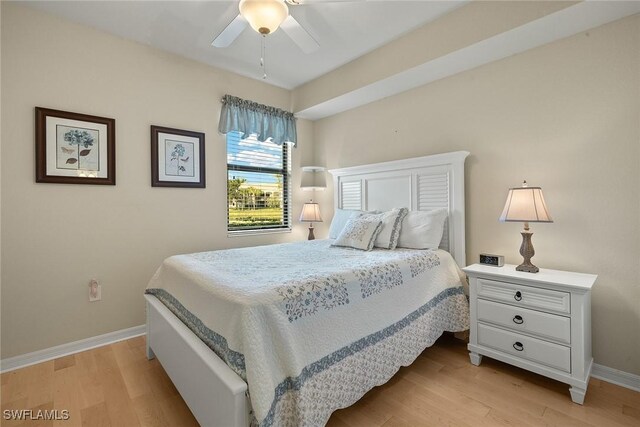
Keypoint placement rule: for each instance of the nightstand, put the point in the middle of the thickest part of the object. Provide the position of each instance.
(540, 322)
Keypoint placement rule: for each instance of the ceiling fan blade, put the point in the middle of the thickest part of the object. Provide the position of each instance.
(299, 35)
(230, 33)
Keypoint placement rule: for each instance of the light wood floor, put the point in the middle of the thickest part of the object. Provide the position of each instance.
(116, 386)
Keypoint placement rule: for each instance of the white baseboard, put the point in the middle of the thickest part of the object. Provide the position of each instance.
(604, 373)
(614, 376)
(24, 360)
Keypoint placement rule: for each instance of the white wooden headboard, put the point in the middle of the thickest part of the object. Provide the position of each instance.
(420, 183)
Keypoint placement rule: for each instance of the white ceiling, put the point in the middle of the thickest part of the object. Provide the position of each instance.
(345, 30)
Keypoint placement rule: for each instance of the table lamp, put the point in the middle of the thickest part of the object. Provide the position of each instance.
(310, 213)
(526, 204)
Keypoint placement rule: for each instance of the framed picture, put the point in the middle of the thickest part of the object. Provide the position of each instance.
(177, 158)
(73, 148)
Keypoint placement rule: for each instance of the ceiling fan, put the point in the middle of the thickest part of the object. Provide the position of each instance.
(265, 17)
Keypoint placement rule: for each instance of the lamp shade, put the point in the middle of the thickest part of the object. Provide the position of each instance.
(310, 213)
(313, 178)
(525, 204)
(264, 16)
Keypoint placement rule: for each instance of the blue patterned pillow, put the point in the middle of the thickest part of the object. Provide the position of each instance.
(359, 233)
(391, 225)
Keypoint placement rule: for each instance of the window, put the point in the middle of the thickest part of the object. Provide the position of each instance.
(258, 176)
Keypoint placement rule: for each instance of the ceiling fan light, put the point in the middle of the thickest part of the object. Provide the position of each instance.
(264, 16)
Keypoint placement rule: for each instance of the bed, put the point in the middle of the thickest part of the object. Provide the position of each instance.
(308, 326)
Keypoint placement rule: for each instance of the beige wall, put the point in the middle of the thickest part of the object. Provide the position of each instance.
(57, 237)
(565, 116)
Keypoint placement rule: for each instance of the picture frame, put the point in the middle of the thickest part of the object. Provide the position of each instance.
(74, 148)
(177, 158)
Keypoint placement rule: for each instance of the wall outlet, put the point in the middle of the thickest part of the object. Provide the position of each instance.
(95, 291)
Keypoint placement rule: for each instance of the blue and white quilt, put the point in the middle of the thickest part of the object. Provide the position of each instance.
(311, 328)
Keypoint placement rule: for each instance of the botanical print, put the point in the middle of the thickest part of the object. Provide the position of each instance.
(179, 158)
(77, 148)
(375, 278)
(74, 148)
(304, 298)
(423, 262)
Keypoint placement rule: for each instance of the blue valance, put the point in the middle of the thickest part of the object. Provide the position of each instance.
(250, 117)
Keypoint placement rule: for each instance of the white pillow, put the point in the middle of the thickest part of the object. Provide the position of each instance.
(340, 218)
(391, 224)
(359, 233)
(422, 229)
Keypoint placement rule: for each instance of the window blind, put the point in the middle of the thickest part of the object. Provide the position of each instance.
(258, 184)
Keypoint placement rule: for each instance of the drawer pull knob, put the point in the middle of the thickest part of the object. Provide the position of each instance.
(518, 346)
(518, 319)
(518, 296)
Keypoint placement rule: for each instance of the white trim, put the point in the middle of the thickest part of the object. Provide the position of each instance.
(601, 372)
(414, 162)
(44, 355)
(614, 376)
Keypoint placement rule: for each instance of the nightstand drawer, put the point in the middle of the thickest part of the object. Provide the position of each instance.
(533, 349)
(525, 296)
(543, 325)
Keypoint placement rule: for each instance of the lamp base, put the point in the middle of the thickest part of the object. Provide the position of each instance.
(529, 268)
(311, 236)
(527, 252)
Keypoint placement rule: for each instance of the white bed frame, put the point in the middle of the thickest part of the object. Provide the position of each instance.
(214, 393)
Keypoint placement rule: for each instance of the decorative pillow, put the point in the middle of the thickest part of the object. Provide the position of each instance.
(359, 233)
(340, 218)
(422, 229)
(391, 225)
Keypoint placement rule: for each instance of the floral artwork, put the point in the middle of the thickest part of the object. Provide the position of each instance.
(74, 148)
(77, 149)
(179, 158)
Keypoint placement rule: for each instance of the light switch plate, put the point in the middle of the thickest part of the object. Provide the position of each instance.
(98, 296)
